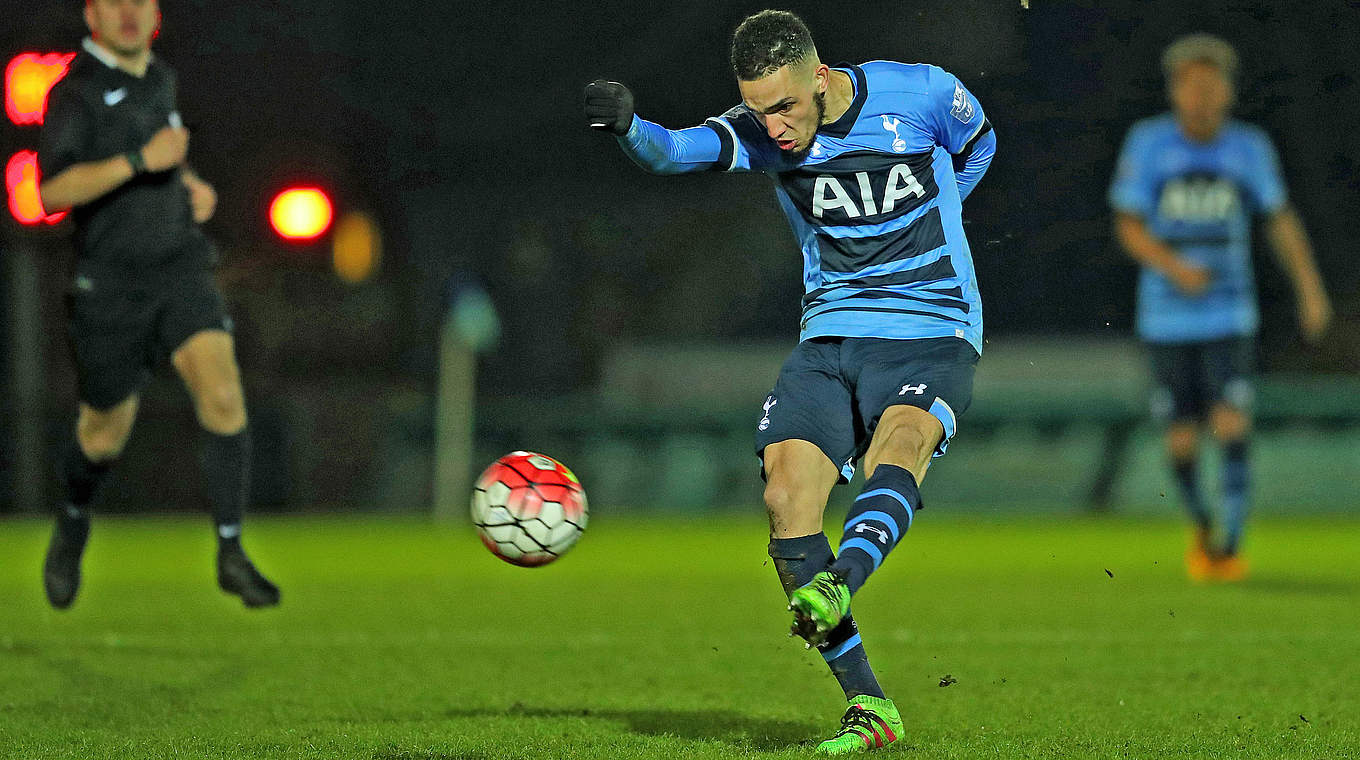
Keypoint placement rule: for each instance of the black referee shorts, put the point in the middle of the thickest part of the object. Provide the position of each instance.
(120, 327)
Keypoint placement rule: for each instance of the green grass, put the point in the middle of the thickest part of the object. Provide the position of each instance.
(664, 638)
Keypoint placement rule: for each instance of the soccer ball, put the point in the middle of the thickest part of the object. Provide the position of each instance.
(529, 509)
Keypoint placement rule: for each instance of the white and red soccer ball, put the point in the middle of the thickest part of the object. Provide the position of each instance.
(529, 509)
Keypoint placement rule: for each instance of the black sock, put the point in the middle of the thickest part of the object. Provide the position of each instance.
(797, 560)
(1236, 480)
(1187, 478)
(225, 462)
(877, 521)
(82, 479)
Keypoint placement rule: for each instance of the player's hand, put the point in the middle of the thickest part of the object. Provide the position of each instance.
(1315, 314)
(166, 149)
(1190, 279)
(609, 106)
(202, 197)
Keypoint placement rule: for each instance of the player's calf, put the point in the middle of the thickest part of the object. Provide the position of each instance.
(82, 478)
(798, 560)
(876, 523)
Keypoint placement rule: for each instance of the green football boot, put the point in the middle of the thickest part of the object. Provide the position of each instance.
(819, 606)
(869, 723)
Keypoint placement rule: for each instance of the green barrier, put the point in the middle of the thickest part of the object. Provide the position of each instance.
(1037, 446)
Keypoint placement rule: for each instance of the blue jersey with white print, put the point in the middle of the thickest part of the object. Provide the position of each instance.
(876, 204)
(1198, 198)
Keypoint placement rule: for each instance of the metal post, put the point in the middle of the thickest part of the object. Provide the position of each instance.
(470, 327)
(24, 318)
(453, 429)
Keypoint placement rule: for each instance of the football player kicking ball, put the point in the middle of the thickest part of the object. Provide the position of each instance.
(1183, 193)
(871, 164)
(113, 150)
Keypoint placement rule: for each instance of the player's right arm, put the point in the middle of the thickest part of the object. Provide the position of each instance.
(1133, 195)
(1150, 251)
(609, 108)
(68, 181)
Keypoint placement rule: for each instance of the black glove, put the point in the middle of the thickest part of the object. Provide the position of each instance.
(609, 106)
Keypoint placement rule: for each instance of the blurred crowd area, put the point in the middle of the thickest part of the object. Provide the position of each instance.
(459, 130)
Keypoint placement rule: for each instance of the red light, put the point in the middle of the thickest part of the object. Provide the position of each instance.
(21, 185)
(300, 213)
(28, 79)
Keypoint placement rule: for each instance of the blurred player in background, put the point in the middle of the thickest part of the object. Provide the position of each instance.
(113, 150)
(1184, 191)
(871, 165)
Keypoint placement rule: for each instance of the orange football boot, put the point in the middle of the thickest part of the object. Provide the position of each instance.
(1199, 559)
(1231, 568)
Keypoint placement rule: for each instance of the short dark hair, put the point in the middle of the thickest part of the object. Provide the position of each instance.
(768, 41)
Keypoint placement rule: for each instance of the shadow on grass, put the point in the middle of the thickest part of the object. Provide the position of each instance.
(406, 754)
(1308, 586)
(747, 731)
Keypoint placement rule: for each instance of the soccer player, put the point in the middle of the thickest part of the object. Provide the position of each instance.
(1183, 191)
(113, 151)
(871, 164)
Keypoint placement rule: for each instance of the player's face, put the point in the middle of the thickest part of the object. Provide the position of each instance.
(791, 102)
(123, 26)
(1201, 96)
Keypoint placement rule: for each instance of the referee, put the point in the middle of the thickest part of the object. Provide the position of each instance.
(113, 151)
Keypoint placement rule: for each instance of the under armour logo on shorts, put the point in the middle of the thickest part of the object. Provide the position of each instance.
(917, 389)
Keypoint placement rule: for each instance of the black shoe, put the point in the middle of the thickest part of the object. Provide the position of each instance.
(237, 576)
(61, 569)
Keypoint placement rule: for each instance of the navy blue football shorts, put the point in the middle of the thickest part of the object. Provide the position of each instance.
(831, 392)
(1190, 378)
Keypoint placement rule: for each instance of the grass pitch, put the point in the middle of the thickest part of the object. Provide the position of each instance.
(664, 638)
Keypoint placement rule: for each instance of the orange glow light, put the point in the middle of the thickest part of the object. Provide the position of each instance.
(28, 78)
(21, 186)
(300, 213)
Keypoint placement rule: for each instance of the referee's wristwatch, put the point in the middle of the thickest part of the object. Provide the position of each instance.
(135, 160)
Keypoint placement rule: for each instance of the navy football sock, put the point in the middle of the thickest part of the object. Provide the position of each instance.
(797, 560)
(82, 479)
(1236, 479)
(876, 522)
(1187, 479)
(225, 462)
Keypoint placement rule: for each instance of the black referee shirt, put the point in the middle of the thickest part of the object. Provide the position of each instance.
(99, 111)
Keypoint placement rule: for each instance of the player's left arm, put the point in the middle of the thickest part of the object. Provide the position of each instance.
(202, 196)
(962, 128)
(1290, 243)
(1288, 240)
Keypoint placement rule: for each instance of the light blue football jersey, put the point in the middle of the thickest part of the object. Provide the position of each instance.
(875, 205)
(1198, 198)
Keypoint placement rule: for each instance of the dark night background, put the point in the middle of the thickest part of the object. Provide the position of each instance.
(459, 126)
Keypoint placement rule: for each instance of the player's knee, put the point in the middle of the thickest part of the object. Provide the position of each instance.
(904, 438)
(792, 506)
(221, 408)
(1182, 441)
(780, 497)
(103, 440)
(1229, 423)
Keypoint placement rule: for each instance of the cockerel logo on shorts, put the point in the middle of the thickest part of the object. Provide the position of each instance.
(770, 401)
